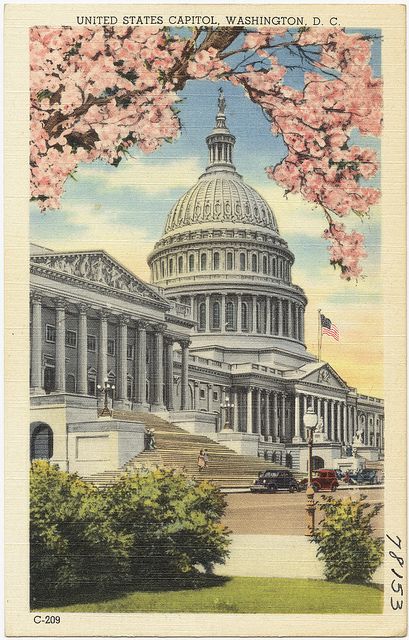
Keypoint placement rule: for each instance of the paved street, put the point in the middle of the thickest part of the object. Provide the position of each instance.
(281, 513)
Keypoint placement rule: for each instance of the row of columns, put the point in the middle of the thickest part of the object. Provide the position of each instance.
(162, 357)
(266, 414)
(277, 316)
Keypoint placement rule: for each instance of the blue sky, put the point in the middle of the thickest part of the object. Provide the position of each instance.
(123, 210)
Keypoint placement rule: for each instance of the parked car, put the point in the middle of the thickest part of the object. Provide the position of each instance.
(323, 480)
(273, 480)
(364, 476)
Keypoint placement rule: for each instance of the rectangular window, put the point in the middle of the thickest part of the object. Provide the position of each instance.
(202, 394)
(130, 351)
(111, 347)
(91, 343)
(215, 395)
(70, 338)
(49, 333)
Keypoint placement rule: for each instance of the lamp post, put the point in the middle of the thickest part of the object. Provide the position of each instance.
(228, 406)
(310, 419)
(105, 390)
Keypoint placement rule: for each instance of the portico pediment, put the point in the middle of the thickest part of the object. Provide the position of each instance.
(322, 374)
(95, 267)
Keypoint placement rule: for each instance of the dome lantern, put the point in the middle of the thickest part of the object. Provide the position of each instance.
(220, 142)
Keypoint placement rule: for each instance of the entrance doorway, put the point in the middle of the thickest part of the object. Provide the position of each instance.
(42, 442)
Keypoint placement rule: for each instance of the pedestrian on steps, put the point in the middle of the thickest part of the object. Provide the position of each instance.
(201, 460)
(206, 458)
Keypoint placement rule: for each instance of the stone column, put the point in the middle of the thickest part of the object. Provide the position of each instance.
(140, 365)
(82, 374)
(283, 422)
(238, 321)
(326, 422)
(235, 400)
(36, 350)
(267, 414)
(276, 430)
(209, 397)
(290, 319)
(169, 374)
(345, 423)
(158, 368)
(102, 348)
(338, 421)
(123, 373)
(280, 317)
(297, 430)
(319, 408)
(296, 321)
(302, 324)
(258, 410)
(254, 312)
(249, 422)
(223, 314)
(196, 399)
(184, 380)
(207, 307)
(332, 431)
(60, 345)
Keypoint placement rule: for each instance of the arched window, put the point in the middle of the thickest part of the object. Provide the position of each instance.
(162, 268)
(264, 264)
(254, 263)
(191, 262)
(171, 266)
(258, 317)
(202, 316)
(242, 262)
(42, 442)
(230, 324)
(244, 316)
(229, 261)
(216, 315)
(216, 260)
(203, 262)
(274, 267)
(180, 264)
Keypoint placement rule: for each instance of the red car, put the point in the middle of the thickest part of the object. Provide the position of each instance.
(323, 480)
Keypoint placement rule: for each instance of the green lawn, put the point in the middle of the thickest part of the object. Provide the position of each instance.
(241, 595)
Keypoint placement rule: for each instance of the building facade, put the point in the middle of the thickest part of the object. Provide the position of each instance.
(217, 340)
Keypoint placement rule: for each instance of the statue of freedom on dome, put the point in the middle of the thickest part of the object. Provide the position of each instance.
(221, 101)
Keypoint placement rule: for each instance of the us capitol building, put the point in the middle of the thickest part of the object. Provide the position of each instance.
(215, 344)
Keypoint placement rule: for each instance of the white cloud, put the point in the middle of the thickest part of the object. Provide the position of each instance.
(148, 175)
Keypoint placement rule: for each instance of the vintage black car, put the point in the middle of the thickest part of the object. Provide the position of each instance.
(364, 476)
(273, 480)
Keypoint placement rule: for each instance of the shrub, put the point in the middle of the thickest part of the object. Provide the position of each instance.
(345, 539)
(174, 524)
(157, 528)
(72, 542)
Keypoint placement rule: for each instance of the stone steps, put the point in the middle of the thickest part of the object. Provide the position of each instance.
(178, 449)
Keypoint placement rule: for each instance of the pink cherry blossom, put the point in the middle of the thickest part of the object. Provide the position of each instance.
(97, 92)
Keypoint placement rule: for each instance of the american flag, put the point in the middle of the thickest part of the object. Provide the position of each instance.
(329, 328)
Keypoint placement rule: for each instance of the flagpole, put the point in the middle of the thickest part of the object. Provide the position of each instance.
(319, 336)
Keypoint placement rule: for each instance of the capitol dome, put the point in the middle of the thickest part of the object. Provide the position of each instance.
(221, 254)
(218, 197)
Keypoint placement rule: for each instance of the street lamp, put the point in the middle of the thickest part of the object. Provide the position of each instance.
(105, 390)
(310, 419)
(228, 406)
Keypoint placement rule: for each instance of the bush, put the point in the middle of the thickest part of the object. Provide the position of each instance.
(345, 539)
(173, 522)
(156, 527)
(72, 542)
